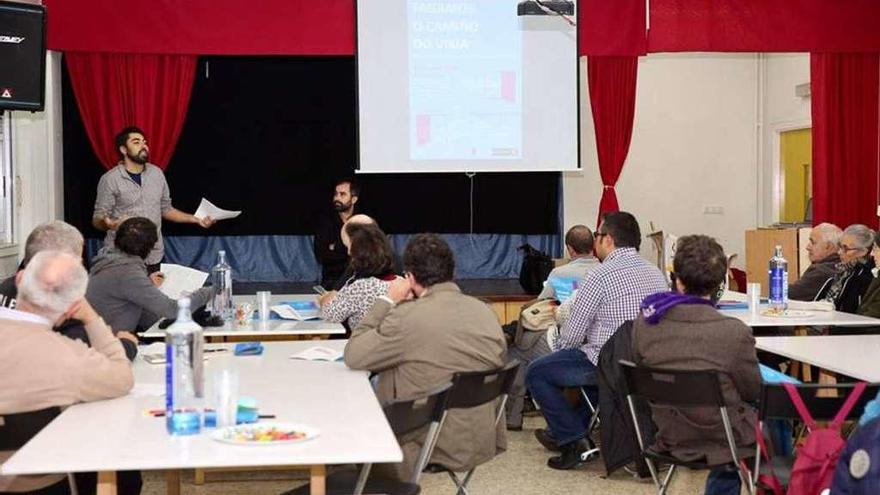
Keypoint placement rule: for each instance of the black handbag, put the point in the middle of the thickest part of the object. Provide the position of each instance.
(536, 266)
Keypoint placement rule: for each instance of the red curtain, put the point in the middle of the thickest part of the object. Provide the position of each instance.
(614, 27)
(764, 26)
(612, 82)
(844, 89)
(114, 91)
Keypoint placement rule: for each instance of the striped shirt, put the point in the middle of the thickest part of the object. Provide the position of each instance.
(609, 296)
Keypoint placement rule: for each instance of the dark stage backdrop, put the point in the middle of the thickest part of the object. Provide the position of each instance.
(269, 135)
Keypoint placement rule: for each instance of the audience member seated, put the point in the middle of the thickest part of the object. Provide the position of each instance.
(822, 249)
(40, 367)
(121, 290)
(682, 330)
(853, 273)
(372, 263)
(870, 305)
(416, 337)
(58, 236)
(610, 295)
(579, 246)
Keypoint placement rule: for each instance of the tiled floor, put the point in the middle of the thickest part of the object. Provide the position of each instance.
(520, 470)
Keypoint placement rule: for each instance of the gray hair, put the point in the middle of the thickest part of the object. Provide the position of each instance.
(830, 233)
(52, 283)
(863, 235)
(55, 236)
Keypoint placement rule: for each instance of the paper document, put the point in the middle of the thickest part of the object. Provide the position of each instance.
(179, 279)
(207, 209)
(297, 310)
(811, 305)
(318, 353)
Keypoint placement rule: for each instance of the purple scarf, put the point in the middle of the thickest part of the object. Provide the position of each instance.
(655, 306)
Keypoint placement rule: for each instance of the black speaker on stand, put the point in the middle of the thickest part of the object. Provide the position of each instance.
(22, 56)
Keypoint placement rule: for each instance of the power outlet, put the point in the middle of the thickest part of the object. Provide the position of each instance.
(713, 210)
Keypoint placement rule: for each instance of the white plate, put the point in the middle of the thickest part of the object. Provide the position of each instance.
(789, 313)
(231, 434)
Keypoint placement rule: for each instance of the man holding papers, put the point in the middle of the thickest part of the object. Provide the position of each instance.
(136, 188)
(120, 289)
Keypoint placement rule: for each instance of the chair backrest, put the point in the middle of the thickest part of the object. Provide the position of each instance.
(684, 388)
(17, 429)
(776, 404)
(475, 388)
(408, 415)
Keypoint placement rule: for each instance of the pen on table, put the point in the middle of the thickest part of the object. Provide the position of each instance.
(160, 413)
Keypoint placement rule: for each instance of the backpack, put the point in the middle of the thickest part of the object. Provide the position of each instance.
(536, 266)
(534, 318)
(816, 458)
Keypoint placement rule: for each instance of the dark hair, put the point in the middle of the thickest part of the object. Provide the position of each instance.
(136, 236)
(371, 253)
(122, 137)
(429, 259)
(353, 186)
(623, 228)
(579, 239)
(700, 264)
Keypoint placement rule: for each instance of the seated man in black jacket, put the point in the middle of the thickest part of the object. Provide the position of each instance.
(58, 236)
(822, 249)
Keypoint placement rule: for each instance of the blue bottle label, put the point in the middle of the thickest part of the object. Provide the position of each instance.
(777, 284)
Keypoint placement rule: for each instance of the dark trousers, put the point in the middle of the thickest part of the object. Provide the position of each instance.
(547, 378)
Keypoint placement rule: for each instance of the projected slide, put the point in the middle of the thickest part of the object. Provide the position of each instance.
(465, 85)
(465, 77)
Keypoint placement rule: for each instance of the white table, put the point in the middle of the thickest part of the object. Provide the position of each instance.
(116, 435)
(817, 318)
(851, 355)
(264, 330)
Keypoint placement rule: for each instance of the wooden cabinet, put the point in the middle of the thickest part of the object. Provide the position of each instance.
(760, 244)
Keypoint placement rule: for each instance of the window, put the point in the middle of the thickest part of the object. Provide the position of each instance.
(5, 178)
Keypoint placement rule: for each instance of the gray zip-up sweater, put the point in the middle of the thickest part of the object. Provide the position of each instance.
(123, 294)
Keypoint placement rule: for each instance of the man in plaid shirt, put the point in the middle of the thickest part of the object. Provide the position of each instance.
(608, 296)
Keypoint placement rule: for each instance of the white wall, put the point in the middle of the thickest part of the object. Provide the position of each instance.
(37, 162)
(694, 145)
(782, 111)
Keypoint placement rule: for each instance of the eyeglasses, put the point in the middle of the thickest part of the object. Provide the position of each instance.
(600, 234)
(847, 249)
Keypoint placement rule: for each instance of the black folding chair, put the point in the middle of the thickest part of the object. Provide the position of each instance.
(678, 388)
(405, 416)
(593, 408)
(472, 389)
(17, 429)
(776, 405)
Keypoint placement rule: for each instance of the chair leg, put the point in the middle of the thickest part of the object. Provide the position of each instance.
(71, 481)
(362, 479)
(666, 480)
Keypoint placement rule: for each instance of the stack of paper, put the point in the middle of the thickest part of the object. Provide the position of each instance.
(180, 279)
(207, 209)
(318, 353)
(297, 310)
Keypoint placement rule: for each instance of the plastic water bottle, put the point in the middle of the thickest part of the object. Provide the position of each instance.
(184, 373)
(778, 281)
(221, 277)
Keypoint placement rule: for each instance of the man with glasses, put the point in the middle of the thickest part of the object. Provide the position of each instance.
(822, 249)
(609, 296)
(853, 274)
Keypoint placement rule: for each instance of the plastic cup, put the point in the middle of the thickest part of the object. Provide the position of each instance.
(225, 396)
(753, 291)
(264, 299)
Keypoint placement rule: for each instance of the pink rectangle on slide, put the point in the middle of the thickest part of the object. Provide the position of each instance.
(423, 129)
(508, 85)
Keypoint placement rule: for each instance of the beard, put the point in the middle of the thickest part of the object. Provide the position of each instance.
(140, 158)
(339, 206)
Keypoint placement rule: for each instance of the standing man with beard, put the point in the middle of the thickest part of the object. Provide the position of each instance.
(330, 252)
(136, 188)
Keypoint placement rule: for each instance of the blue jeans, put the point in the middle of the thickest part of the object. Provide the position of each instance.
(723, 480)
(546, 378)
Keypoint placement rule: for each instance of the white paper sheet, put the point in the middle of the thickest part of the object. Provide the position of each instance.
(318, 353)
(179, 278)
(307, 311)
(207, 209)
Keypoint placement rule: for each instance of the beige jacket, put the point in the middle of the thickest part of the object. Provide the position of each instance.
(416, 346)
(42, 368)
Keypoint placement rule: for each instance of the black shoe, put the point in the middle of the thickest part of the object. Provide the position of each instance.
(546, 439)
(511, 427)
(573, 454)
